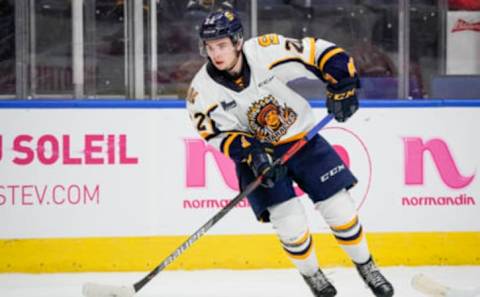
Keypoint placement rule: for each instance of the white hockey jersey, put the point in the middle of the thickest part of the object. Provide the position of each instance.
(267, 108)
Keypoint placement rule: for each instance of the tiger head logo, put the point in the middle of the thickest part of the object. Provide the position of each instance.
(269, 120)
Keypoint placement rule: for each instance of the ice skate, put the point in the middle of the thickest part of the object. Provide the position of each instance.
(320, 285)
(379, 285)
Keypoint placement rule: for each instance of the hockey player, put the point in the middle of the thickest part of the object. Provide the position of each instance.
(239, 102)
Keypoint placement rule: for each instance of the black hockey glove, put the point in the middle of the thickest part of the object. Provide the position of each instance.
(342, 99)
(261, 161)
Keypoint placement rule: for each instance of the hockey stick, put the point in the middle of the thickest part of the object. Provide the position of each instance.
(432, 288)
(99, 290)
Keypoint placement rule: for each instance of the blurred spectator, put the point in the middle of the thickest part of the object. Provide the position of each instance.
(464, 4)
(372, 61)
(209, 5)
(178, 47)
(7, 47)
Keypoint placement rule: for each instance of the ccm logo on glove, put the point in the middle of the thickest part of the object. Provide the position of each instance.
(341, 96)
(342, 99)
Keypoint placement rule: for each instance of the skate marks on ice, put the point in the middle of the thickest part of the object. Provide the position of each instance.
(235, 283)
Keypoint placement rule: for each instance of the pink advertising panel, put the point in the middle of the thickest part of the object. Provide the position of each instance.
(121, 172)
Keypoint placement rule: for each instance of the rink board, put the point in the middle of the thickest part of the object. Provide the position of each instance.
(118, 186)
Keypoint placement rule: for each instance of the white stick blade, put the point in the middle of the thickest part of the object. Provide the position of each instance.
(429, 287)
(432, 288)
(99, 290)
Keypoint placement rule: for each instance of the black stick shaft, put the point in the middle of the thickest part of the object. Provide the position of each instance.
(199, 233)
(248, 190)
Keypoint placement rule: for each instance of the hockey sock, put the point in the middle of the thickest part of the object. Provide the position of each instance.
(351, 238)
(302, 254)
(289, 221)
(340, 214)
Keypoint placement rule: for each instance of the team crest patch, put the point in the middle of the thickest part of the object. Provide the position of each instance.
(269, 120)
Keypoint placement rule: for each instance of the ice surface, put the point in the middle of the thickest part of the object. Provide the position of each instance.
(232, 283)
